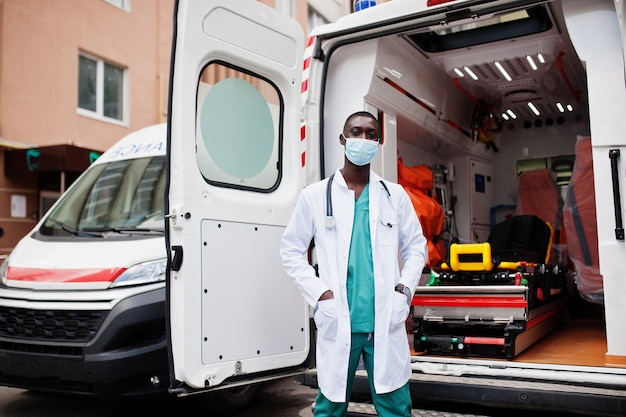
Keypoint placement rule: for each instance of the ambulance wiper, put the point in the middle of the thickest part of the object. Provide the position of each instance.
(126, 230)
(75, 232)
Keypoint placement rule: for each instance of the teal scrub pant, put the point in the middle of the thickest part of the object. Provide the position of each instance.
(393, 404)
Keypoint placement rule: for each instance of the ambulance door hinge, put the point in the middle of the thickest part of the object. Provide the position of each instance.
(172, 216)
(175, 214)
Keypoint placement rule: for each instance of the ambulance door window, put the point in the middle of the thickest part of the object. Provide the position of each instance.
(238, 129)
(561, 165)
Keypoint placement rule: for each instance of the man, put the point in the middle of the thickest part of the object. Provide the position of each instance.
(359, 224)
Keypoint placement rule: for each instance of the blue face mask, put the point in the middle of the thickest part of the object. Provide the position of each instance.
(361, 151)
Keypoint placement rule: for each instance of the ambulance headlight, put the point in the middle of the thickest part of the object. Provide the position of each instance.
(145, 273)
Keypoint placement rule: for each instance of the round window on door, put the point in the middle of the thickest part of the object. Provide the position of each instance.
(238, 129)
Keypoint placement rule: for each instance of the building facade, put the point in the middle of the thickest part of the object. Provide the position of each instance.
(76, 76)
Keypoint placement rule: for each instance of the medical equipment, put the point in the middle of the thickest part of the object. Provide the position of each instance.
(494, 298)
(329, 222)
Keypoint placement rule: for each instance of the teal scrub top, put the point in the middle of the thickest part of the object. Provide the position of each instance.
(360, 281)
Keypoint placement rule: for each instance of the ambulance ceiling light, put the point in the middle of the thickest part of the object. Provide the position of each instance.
(470, 73)
(533, 108)
(510, 113)
(570, 107)
(559, 106)
(502, 71)
(505, 116)
(505, 74)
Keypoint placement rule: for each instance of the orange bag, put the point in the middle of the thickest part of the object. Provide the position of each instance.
(418, 182)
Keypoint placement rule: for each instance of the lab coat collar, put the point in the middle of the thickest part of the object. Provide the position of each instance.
(375, 189)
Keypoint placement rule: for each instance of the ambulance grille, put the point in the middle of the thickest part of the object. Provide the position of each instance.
(56, 325)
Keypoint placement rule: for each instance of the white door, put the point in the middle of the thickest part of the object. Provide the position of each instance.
(235, 171)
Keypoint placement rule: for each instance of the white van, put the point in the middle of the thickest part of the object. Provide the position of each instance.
(479, 91)
(83, 294)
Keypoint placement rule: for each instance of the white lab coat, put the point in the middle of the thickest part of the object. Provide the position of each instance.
(404, 240)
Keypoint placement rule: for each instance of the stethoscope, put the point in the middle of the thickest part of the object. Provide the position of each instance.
(329, 222)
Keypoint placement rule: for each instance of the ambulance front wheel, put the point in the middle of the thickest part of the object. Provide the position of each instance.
(227, 401)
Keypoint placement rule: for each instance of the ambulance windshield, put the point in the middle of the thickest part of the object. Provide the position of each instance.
(122, 197)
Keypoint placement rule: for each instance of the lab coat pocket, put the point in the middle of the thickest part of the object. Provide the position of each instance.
(326, 319)
(387, 233)
(399, 313)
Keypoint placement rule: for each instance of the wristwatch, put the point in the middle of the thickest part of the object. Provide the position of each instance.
(403, 289)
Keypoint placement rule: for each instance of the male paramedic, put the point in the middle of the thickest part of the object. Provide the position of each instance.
(370, 252)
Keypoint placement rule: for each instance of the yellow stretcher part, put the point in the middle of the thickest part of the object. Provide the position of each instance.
(479, 250)
(482, 249)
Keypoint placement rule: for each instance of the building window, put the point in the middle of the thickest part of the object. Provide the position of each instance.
(120, 4)
(286, 7)
(100, 88)
(46, 200)
(315, 19)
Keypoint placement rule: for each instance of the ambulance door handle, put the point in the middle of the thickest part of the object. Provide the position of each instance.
(619, 228)
(177, 259)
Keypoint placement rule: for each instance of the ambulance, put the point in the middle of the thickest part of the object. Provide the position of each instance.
(484, 94)
(158, 270)
(82, 296)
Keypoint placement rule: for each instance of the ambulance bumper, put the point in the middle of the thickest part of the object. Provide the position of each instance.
(127, 357)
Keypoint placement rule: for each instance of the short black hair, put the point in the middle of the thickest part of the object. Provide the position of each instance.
(362, 113)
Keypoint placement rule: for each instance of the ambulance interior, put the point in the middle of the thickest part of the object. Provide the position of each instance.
(491, 119)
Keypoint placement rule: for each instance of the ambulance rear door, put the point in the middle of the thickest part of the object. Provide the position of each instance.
(236, 168)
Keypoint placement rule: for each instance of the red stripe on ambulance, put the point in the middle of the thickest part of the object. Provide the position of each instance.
(64, 275)
(304, 90)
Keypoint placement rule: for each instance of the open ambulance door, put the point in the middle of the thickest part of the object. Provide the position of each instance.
(235, 166)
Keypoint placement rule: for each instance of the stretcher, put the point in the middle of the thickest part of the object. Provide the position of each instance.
(495, 298)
